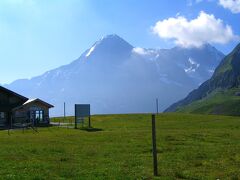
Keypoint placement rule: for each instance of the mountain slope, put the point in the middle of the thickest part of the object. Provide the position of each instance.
(116, 77)
(219, 94)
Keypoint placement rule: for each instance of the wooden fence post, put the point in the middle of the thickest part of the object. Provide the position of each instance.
(89, 122)
(154, 146)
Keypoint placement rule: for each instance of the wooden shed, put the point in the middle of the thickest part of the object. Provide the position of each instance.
(35, 111)
(15, 108)
(8, 101)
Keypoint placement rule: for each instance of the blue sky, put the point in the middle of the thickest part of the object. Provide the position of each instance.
(39, 35)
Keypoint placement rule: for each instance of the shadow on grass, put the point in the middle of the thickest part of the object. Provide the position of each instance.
(91, 129)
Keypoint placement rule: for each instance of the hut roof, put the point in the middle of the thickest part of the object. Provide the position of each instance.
(13, 93)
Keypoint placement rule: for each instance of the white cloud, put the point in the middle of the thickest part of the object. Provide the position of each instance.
(140, 51)
(232, 5)
(204, 29)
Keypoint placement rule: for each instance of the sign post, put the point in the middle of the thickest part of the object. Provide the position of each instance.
(154, 146)
(82, 111)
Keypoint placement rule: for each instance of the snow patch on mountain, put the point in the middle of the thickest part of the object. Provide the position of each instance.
(211, 71)
(193, 66)
(90, 51)
(149, 54)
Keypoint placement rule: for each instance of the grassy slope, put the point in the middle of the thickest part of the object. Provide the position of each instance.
(219, 102)
(189, 146)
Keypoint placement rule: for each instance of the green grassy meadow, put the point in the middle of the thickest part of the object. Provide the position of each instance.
(218, 102)
(189, 147)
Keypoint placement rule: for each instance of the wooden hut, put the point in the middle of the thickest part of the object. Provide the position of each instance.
(8, 101)
(17, 109)
(35, 111)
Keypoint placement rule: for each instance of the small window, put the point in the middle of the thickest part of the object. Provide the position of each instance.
(39, 116)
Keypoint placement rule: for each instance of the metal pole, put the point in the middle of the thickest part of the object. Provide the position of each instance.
(154, 146)
(157, 104)
(64, 112)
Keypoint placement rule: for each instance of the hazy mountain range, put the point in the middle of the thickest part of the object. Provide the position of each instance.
(218, 95)
(115, 77)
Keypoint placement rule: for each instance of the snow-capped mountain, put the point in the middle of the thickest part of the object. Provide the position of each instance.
(115, 77)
